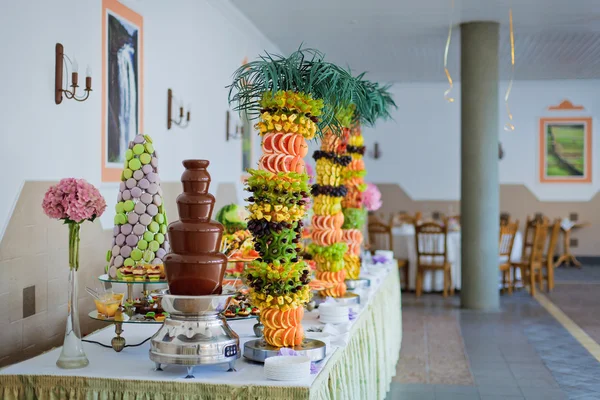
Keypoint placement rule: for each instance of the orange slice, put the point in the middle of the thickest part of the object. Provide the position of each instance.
(299, 335)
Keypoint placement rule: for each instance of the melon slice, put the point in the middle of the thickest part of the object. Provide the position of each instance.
(300, 167)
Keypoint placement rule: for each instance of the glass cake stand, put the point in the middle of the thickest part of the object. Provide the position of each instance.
(118, 342)
(108, 281)
(125, 316)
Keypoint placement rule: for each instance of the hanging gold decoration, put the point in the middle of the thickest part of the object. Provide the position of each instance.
(509, 125)
(447, 96)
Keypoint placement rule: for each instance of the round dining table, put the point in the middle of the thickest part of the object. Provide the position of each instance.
(433, 281)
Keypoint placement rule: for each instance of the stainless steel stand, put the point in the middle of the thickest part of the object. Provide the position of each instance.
(195, 334)
(258, 350)
(361, 283)
(348, 299)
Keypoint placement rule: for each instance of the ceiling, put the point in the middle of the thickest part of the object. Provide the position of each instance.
(403, 41)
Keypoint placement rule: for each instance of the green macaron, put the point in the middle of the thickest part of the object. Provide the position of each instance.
(138, 149)
(135, 164)
(128, 206)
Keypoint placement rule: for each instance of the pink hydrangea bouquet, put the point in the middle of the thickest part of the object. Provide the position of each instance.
(74, 201)
(371, 198)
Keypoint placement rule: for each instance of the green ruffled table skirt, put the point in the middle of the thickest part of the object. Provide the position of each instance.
(362, 370)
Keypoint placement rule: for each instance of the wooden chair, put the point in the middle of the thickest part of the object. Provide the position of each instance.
(432, 254)
(528, 234)
(382, 238)
(531, 268)
(403, 218)
(506, 242)
(504, 219)
(549, 256)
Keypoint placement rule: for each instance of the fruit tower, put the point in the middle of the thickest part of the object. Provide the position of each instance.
(277, 206)
(328, 247)
(354, 213)
(294, 97)
(139, 241)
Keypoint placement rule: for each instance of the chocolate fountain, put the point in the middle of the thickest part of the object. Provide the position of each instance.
(195, 332)
(195, 267)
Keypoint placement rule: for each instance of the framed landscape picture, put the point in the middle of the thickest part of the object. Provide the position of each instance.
(122, 84)
(565, 150)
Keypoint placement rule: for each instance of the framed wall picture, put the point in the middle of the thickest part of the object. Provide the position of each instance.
(565, 150)
(122, 84)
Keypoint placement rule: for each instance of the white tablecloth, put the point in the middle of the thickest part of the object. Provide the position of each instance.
(405, 248)
(133, 363)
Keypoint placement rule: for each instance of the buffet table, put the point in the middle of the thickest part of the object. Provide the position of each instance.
(405, 248)
(359, 365)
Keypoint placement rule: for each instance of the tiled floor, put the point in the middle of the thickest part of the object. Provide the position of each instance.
(521, 352)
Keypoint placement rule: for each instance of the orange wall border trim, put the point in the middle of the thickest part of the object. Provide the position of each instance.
(111, 174)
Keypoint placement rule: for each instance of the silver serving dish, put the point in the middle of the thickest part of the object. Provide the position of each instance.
(361, 283)
(195, 333)
(348, 299)
(258, 350)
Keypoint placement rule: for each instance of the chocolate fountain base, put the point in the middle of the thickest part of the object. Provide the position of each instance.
(258, 350)
(195, 333)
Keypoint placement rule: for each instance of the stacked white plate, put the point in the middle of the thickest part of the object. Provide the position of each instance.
(287, 368)
(333, 313)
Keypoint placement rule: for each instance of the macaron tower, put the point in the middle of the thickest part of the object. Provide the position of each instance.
(328, 247)
(354, 213)
(195, 267)
(139, 242)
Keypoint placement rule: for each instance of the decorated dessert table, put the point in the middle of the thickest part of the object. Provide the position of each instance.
(360, 362)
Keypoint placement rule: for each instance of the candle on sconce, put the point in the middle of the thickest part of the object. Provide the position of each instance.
(75, 65)
(188, 116)
(88, 78)
(181, 111)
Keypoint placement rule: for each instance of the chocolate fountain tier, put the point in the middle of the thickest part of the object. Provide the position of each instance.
(195, 206)
(195, 267)
(195, 178)
(189, 275)
(195, 238)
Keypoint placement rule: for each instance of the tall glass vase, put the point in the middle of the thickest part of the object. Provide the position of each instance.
(72, 354)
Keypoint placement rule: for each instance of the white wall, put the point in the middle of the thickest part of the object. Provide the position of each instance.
(191, 46)
(421, 146)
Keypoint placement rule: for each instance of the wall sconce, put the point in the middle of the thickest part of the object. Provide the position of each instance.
(170, 120)
(239, 130)
(58, 78)
(376, 153)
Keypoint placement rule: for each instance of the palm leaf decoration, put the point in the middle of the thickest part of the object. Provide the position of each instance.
(377, 102)
(304, 71)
